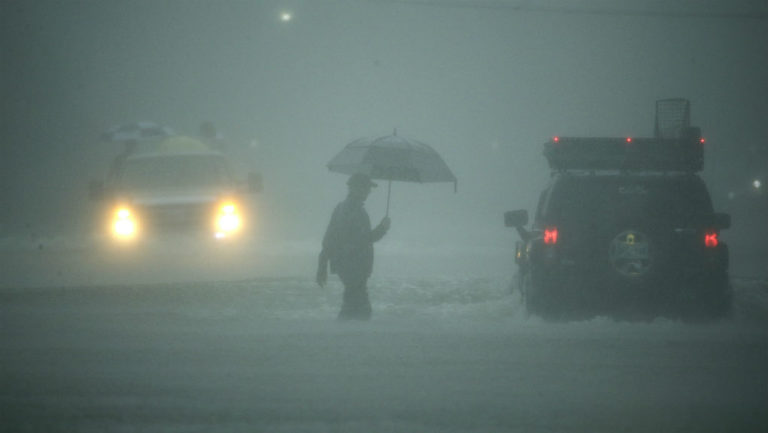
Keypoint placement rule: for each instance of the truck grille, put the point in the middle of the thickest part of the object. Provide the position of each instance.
(169, 217)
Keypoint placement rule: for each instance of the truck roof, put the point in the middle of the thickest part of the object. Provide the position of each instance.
(685, 154)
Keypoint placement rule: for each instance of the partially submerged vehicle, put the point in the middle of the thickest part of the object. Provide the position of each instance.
(177, 186)
(625, 227)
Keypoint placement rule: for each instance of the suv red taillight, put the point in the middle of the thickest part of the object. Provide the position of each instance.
(710, 239)
(550, 235)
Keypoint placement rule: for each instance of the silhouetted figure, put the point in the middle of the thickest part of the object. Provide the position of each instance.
(348, 246)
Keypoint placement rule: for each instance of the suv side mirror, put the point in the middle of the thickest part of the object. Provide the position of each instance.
(255, 183)
(516, 218)
(96, 190)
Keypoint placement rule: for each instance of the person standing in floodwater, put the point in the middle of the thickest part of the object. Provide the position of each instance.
(348, 247)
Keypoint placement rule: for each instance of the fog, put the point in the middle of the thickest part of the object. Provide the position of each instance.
(484, 83)
(174, 338)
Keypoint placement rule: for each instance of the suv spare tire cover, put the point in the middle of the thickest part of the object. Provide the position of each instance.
(631, 253)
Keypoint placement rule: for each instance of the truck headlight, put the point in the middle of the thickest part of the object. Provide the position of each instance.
(124, 225)
(228, 220)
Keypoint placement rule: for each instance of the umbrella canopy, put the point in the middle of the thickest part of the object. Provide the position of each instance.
(392, 157)
(137, 131)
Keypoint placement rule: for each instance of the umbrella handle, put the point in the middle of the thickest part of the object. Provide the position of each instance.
(389, 192)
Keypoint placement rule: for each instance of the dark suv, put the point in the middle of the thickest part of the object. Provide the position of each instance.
(625, 228)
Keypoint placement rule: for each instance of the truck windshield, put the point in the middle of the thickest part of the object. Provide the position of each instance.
(175, 172)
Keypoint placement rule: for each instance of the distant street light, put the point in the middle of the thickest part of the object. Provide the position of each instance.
(757, 184)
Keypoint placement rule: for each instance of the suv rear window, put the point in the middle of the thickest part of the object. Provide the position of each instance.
(672, 199)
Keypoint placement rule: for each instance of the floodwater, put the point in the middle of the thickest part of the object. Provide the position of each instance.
(444, 352)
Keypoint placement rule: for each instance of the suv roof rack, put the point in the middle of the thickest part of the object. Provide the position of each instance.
(675, 146)
(613, 153)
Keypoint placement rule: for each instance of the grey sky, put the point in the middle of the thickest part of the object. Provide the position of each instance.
(485, 86)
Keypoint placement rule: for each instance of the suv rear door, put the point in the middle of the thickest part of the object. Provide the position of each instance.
(589, 211)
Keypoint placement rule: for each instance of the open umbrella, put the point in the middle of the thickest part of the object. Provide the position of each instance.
(392, 157)
(137, 131)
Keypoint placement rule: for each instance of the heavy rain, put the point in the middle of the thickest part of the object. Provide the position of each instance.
(112, 323)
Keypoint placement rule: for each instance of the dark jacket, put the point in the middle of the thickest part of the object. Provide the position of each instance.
(348, 240)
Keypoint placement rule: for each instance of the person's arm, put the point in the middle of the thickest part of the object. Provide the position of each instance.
(380, 230)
